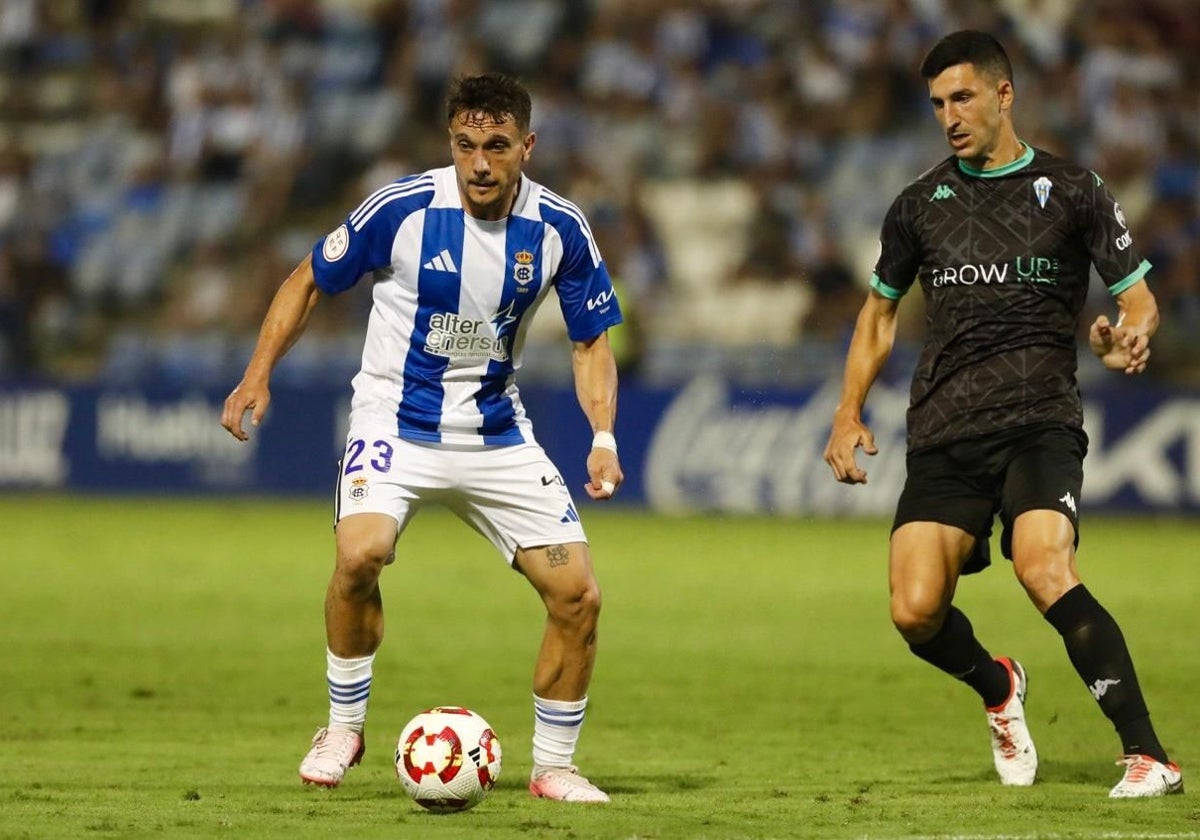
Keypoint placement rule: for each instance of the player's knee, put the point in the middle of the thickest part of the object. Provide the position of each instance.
(1043, 545)
(1047, 575)
(359, 564)
(576, 606)
(914, 622)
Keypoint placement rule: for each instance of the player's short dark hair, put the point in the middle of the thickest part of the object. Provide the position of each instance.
(968, 46)
(495, 94)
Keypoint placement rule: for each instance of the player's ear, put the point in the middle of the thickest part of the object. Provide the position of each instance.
(530, 139)
(1005, 93)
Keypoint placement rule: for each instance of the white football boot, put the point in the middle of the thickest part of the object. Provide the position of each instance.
(564, 784)
(1145, 776)
(333, 752)
(1012, 748)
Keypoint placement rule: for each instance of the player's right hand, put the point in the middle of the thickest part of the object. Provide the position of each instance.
(245, 397)
(604, 473)
(847, 435)
(1119, 348)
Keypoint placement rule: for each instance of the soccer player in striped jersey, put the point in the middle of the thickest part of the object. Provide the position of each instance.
(460, 257)
(1002, 237)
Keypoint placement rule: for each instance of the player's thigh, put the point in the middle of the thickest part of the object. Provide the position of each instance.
(515, 498)
(924, 563)
(1045, 475)
(366, 541)
(382, 483)
(943, 517)
(562, 574)
(1043, 556)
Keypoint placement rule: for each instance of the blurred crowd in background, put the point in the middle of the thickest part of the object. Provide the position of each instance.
(164, 164)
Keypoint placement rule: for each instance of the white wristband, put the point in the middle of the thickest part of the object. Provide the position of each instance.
(604, 440)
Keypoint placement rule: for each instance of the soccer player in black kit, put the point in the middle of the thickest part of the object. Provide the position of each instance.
(1001, 237)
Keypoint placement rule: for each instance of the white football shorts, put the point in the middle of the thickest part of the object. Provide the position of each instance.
(512, 495)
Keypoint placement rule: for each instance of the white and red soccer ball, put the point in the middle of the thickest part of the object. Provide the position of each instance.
(447, 759)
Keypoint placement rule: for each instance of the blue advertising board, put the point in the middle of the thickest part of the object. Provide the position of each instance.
(707, 446)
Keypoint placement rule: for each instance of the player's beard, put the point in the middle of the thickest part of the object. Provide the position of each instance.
(497, 204)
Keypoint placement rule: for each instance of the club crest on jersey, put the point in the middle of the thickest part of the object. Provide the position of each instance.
(523, 268)
(1041, 188)
(336, 244)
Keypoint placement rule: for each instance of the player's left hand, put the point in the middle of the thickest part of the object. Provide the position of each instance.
(604, 470)
(847, 435)
(251, 395)
(1119, 348)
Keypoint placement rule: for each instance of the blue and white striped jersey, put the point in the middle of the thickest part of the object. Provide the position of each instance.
(453, 298)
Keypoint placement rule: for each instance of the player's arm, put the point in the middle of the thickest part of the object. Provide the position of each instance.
(870, 346)
(285, 321)
(595, 372)
(1126, 344)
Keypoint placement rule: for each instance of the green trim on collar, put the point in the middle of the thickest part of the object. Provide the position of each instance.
(1008, 168)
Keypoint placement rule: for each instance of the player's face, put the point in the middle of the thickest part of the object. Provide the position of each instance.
(488, 156)
(972, 109)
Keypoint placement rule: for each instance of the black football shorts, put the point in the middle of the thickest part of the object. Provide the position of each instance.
(966, 483)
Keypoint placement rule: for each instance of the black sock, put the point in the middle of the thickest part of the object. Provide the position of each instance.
(955, 650)
(1098, 651)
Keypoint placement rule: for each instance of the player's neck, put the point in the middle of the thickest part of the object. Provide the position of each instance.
(489, 213)
(1008, 149)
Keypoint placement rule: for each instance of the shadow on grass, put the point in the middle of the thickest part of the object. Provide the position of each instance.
(1089, 773)
(662, 784)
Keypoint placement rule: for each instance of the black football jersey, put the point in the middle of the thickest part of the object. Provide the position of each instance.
(1003, 257)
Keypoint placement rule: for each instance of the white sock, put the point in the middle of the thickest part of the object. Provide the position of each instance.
(349, 687)
(556, 725)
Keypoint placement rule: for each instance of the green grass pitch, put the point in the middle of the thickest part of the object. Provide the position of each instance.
(163, 669)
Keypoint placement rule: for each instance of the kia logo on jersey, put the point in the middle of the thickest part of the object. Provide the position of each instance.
(600, 300)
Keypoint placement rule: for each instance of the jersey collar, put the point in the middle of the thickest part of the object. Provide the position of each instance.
(1007, 169)
(522, 197)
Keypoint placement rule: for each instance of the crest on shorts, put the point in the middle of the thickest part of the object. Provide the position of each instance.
(523, 267)
(358, 489)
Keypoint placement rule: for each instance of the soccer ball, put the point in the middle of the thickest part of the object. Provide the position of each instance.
(448, 758)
